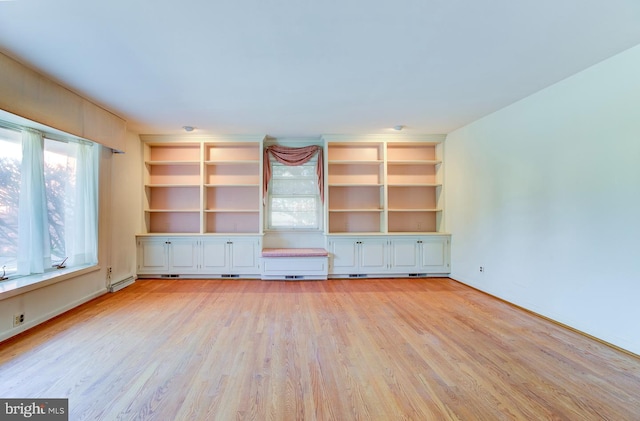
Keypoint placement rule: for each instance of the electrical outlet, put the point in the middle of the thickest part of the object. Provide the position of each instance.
(482, 269)
(18, 319)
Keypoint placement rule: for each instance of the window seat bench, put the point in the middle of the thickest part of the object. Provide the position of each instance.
(293, 264)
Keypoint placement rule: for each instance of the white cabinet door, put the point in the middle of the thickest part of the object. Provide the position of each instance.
(405, 255)
(373, 255)
(215, 256)
(152, 256)
(423, 255)
(230, 256)
(358, 256)
(183, 255)
(244, 256)
(435, 254)
(344, 256)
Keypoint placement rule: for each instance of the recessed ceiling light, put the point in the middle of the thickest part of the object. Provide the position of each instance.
(188, 128)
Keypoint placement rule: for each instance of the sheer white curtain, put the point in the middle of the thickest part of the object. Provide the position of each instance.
(81, 218)
(34, 246)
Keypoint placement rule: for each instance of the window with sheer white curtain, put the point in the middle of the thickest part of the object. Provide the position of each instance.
(48, 203)
(294, 201)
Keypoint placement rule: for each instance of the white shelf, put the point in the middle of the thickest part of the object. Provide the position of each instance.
(241, 162)
(173, 210)
(233, 185)
(171, 185)
(355, 185)
(415, 210)
(172, 162)
(231, 210)
(355, 162)
(414, 162)
(414, 184)
(356, 210)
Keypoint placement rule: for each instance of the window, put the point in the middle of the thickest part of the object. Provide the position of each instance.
(294, 199)
(59, 179)
(9, 195)
(48, 202)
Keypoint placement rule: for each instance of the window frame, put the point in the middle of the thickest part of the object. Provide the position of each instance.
(13, 280)
(312, 163)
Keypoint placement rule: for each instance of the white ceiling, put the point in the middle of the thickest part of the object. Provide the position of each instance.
(309, 67)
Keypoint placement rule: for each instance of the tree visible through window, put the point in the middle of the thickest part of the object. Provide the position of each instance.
(60, 184)
(9, 197)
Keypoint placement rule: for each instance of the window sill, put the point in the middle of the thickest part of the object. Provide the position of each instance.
(12, 287)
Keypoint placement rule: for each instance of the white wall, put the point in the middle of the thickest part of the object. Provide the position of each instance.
(126, 208)
(545, 194)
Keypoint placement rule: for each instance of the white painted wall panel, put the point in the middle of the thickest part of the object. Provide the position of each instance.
(545, 195)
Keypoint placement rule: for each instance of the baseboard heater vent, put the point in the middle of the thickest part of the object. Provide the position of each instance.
(122, 284)
(358, 275)
(230, 276)
(169, 276)
(417, 275)
(293, 277)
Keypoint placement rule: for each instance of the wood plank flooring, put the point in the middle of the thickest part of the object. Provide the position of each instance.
(383, 349)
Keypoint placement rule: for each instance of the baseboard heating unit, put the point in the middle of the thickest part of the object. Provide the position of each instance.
(122, 284)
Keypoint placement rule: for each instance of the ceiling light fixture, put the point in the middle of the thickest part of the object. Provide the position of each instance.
(398, 127)
(188, 128)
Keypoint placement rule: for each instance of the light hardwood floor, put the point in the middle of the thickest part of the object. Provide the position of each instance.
(387, 349)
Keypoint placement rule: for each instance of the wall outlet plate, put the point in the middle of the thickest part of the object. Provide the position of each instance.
(18, 319)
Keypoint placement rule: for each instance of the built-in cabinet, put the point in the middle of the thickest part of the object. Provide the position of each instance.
(355, 256)
(419, 255)
(203, 206)
(384, 256)
(231, 256)
(195, 257)
(167, 255)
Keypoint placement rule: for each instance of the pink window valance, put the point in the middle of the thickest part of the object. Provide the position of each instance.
(292, 157)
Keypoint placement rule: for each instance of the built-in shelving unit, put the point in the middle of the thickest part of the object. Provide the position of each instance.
(414, 186)
(202, 185)
(203, 207)
(172, 188)
(355, 182)
(232, 187)
(379, 184)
